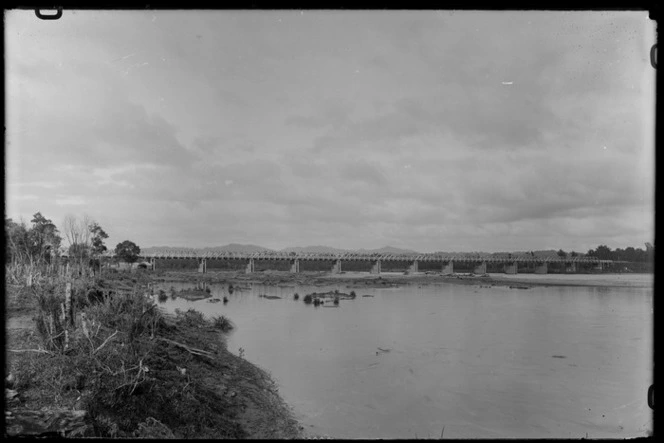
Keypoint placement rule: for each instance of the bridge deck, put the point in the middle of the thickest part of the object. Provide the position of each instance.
(363, 257)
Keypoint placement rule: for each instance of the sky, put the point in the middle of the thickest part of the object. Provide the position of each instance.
(427, 130)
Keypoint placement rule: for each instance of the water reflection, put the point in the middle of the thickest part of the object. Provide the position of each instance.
(485, 362)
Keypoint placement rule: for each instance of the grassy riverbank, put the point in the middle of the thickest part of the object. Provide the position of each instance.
(135, 371)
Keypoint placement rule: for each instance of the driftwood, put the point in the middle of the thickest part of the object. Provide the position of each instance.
(20, 422)
(189, 349)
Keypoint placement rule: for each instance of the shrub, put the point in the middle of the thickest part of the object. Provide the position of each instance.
(162, 296)
(225, 299)
(296, 296)
(352, 294)
(222, 323)
(307, 299)
(191, 317)
(336, 300)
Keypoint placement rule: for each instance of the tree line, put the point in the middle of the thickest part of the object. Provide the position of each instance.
(629, 254)
(41, 242)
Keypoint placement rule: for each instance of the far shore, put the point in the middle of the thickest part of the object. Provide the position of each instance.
(632, 280)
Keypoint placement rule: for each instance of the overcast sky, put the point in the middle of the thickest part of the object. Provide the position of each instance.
(434, 131)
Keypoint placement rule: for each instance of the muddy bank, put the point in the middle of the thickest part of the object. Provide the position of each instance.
(363, 280)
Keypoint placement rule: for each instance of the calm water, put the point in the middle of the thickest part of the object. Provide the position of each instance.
(478, 361)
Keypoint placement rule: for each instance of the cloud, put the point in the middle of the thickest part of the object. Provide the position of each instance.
(70, 200)
(388, 126)
(363, 171)
(334, 113)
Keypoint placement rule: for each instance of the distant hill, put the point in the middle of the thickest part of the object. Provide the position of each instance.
(163, 249)
(388, 250)
(314, 250)
(233, 247)
(236, 247)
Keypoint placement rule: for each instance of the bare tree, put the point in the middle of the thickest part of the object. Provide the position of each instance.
(77, 232)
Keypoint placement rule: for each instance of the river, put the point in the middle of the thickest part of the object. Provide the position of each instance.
(474, 360)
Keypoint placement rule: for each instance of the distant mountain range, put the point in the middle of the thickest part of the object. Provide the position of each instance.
(235, 247)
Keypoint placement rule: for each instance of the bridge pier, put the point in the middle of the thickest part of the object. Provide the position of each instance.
(153, 263)
(202, 266)
(375, 269)
(250, 267)
(448, 268)
(336, 267)
(541, 268)
(413, 267)
(480, 269)
(295, 266)
(510, 268)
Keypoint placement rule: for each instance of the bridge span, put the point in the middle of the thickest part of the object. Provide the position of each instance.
(410, 263)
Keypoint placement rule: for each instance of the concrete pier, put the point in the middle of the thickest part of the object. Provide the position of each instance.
(295, 266)
(412, 269)
(448, 268)
(202, 266)
(480, 269)
(510, 268)
(542, 268)
(375, 269)
(250, 267)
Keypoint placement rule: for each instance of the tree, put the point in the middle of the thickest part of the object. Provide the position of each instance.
(650, 253)
(77, 231)
(86, 240)
(127, 251)
(97, 247)
(562, 254)
(17, 245)
(603, 252)
(98, 237)
(43, 238)
(574, 254)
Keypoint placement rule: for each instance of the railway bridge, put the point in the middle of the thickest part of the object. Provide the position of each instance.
(411, 263)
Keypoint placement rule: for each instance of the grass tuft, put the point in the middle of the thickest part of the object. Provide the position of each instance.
(222, 323)
(162, 297)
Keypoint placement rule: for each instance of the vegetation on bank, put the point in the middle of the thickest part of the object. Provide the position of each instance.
(123, 362)
(106, 361)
